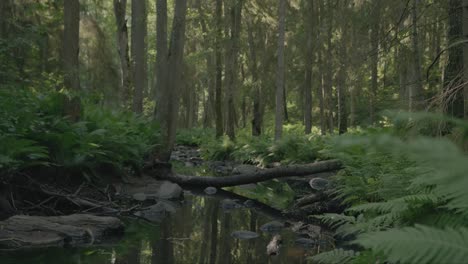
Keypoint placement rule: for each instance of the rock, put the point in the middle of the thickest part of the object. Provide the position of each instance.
(228, 204)
(20, 231)
(139, 197)
(271, 227)
(305, 242)
(273, 247)
(169, 190)
(189, 164)
(244, 234)
(319, 184)
(210, 190)
(157, 212)
(245, 169)
(249, 203)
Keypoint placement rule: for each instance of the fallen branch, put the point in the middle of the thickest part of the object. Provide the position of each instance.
(262, 175)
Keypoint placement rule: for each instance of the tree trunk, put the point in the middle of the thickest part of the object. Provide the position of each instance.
(374, 39)
(257, 112)
(161, 59)
(232, 51)
(328, 78)
(342, 76)
(309, 60)
(169, 103)
(219, 69)
(139, 48)
(259, 176)
(279, 114)
(70, 56)
(465, 59)
(453, 101)
(415, 97)
(120, 10)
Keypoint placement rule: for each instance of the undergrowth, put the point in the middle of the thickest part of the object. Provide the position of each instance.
(406, 195)
(35, 133)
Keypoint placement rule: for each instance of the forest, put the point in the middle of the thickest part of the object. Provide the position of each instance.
(233, 131)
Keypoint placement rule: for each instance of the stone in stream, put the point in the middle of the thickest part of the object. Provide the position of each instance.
(271, 227)
(319, 184)
(249, 203)
(210, 190)
(305, 242)
(228, 204)
(244, 234)
(169, 190)
(157, 212)
(139, 197)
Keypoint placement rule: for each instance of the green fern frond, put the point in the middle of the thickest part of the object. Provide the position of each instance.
(337, 256)
(419, 244)
(335, 220)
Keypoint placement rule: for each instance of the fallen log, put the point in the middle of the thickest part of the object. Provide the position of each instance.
(261, 175)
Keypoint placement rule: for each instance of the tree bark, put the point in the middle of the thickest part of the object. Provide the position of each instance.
(309, 60)
(219, 69)
(232, 51)
(120, 10)
(139, 49)
(415, 98)
(374, 39)
(341, 84)
(465, 59)
(257, 111)
(262, 175)
(172, 84)
(161, 59)
(70, 56)
(279, 113)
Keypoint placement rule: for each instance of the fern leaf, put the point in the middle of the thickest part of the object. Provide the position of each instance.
(419, 244)
(338, 256)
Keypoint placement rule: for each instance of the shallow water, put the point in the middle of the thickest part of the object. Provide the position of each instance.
(199, 231)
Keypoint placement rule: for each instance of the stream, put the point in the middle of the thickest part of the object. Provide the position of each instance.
(201, 229)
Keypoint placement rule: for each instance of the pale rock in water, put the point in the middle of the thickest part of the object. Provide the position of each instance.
(273, 226)
(319, 184)
(244, 234)
(210, 190)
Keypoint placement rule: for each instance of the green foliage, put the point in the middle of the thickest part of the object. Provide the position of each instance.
(337, 256)
(35, 132)
(264, 150)
(406, 195)
(194, 137)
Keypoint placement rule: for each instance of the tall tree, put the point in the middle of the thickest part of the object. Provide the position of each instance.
(374, 41)
(219, 68)
(416, 89)
(120, 11)
(232, 65)
(257, 108)
(453, 96)
(465, 58)
(139, 50)
(70, 56)
(279, 113)
(341, 82)
(161, 56)
(310, 25)
(169, 98)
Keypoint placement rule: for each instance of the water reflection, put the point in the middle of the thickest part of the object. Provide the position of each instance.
(198, 232)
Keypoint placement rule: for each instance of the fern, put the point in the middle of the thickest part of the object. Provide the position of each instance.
(338, 256)
(419, 244)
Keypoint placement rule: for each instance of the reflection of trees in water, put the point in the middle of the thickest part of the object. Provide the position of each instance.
(225, 240)
(130, 256)
(214, 231)
(162, 249)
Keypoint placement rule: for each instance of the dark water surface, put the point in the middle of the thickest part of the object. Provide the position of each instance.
(199, 231)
